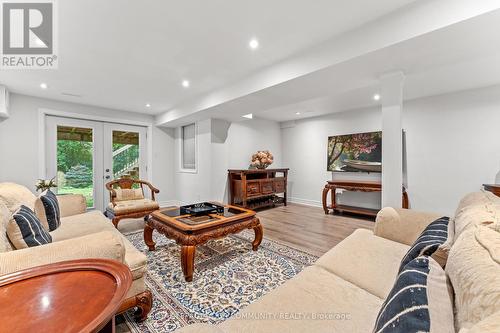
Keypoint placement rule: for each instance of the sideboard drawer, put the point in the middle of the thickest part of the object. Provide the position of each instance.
(267, 187)
(253, 188)
(279, 185)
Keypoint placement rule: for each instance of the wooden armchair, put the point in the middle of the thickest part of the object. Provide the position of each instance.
(128, 202)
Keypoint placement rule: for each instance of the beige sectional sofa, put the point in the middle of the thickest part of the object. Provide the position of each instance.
(344, 290)
(81, 235)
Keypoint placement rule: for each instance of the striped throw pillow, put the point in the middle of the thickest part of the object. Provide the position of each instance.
(25, 229)
(51, 212)
(428, 242)
(419, 301)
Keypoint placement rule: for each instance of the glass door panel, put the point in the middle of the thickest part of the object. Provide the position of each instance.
(74, 157)
(124, 153)
(75, 162)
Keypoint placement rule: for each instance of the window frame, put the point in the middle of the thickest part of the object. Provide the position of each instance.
(181, 149)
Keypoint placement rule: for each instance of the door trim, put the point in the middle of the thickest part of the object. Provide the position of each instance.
(44, 112)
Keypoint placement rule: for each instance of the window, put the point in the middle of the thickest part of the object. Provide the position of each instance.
(188, 147)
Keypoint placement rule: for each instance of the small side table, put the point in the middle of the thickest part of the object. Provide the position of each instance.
(494, 188)
(70, 296)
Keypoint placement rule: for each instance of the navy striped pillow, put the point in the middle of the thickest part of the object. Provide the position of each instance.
(418, 302)
(26, 230)
(52, 211)
(428, 242)
(406, 306)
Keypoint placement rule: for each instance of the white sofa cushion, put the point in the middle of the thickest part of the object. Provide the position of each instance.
(368, 261)
(313, 301)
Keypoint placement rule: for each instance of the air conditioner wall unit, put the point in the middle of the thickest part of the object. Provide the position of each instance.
(4, 103)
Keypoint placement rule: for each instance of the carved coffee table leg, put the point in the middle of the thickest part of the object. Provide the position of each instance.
(259, 232)
(187, 261)
(148, 237)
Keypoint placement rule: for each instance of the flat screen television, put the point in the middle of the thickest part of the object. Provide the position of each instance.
(360, 152)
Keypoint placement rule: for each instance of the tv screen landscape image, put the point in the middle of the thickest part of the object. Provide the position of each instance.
(360, 152)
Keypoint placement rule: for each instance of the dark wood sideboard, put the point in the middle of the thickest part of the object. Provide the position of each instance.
(256, 188)
(355, 185)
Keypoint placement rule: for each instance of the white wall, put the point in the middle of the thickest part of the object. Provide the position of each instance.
(223, 146)
(19, 141)
(305, 153)
(453, 146)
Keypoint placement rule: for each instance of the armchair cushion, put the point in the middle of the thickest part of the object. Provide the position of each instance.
(25, 229)
(132, 206)
(104, 244)
(128, 194)
(72, 204)
(5, 215)
(14, 195)
(80, 225)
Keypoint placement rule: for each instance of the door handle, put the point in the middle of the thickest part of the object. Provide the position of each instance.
(107, 170)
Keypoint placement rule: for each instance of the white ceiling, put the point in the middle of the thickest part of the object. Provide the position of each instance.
(460, 56)
(123, 54)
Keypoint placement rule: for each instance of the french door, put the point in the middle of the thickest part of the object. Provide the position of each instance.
(84, 155)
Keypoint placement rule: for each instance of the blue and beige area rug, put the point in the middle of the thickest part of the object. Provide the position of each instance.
(228, 276)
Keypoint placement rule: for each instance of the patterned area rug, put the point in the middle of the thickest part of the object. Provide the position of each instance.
(228, 276)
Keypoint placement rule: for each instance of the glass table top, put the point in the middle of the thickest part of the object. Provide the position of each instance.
(175, 212)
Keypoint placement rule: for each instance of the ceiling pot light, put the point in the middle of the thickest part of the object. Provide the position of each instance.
(376, 97)
(254, 43)
(185, 83)
(297, 113)
(43, 85)
(248, 116)
(148, 105)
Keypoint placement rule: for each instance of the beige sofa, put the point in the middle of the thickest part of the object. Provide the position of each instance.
(344, 290)
(81, 235)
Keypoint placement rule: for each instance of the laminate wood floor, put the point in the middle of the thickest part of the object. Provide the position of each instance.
(302, 227)
(308, 228)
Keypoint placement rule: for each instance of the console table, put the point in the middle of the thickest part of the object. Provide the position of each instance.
(493, 188)
(354, 185)
(256, 188)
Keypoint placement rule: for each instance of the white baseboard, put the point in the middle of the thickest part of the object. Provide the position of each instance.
(306, 202)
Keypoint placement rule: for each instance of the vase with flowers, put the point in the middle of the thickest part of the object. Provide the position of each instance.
(262, 159)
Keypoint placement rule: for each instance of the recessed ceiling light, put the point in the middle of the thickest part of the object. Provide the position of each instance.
(43, 85)
(254, 43)
(148, 105)
(248, 116)
(297, 113)
(376, 97)
(185, 83)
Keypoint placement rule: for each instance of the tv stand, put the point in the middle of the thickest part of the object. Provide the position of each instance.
(354, 185)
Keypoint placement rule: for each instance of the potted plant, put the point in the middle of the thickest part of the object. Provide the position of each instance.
(44, 184)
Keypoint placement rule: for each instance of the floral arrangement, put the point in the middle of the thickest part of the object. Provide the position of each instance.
(43, 184)
(262, 159)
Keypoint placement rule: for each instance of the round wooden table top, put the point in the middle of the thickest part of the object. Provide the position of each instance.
(70, 296)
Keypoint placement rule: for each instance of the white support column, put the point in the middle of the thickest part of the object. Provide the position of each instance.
(392, 140)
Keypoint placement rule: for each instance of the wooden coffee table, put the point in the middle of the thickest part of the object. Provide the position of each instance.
(189, 231)
(70, 296)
